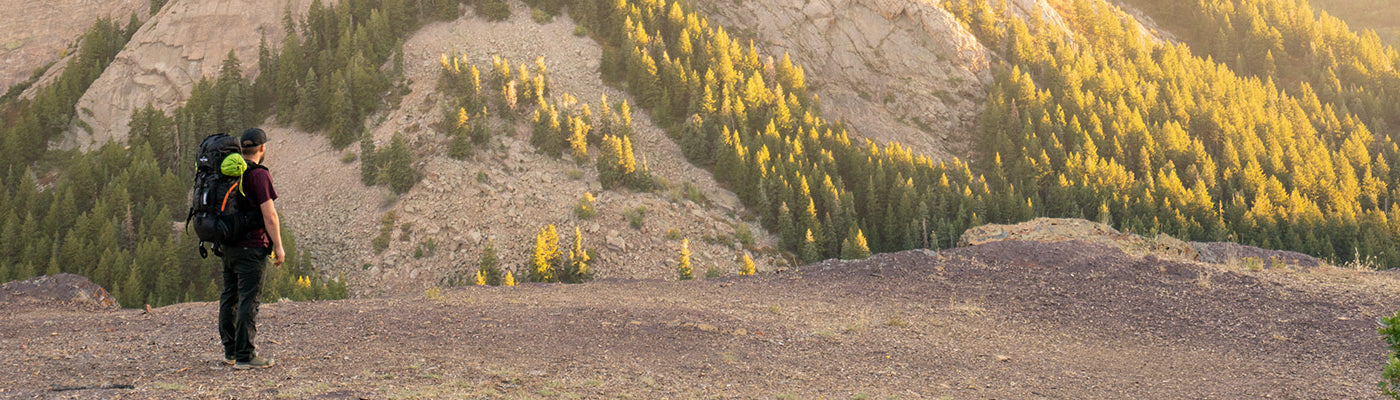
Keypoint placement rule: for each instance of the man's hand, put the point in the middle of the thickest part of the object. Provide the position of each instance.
(278, 255)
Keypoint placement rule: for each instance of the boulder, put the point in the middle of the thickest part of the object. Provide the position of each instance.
(59, 291)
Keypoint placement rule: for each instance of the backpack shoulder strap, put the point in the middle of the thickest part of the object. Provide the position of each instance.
(251, 167)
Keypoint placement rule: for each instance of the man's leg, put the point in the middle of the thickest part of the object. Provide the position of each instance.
(228, 306)
(249, 271)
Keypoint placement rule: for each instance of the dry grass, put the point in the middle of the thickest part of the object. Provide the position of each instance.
(1203, 279)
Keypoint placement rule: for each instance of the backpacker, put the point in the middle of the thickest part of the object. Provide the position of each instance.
(215, 211)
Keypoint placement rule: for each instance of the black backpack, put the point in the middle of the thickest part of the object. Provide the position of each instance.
(217, 211)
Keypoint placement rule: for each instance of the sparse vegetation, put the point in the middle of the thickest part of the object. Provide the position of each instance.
(636, 217)
(743, 234)
(585, 208)
(427, 248)
(1390, 375)
(690, 192)
(541, 16)
(386, 230)
(713, 272)
(746, 266)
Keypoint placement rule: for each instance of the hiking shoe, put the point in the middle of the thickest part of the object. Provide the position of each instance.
(256, 362)
(230, 361)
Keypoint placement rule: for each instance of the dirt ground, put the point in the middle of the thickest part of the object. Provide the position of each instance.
(1007, 320)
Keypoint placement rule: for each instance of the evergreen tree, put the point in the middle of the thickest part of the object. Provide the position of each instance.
(398, 166)
(746, 267)
(133, 290)
(578, 260)
(809, 253)
(578, 141)
(546, 256)
(683, 267)
(460, 145)
(369, 161)
(311, 103)
(344, 121)
(488, 267)
(787, 230)
(855, 247)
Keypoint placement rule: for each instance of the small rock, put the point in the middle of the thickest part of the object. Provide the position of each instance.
(741, 332)
(706, 327)
(1002, 358)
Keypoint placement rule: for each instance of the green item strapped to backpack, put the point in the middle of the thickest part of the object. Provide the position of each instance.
(235, 165)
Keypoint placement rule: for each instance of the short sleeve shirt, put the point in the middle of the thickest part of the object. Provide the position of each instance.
(257, 189)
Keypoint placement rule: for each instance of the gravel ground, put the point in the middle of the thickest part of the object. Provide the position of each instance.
(1007, 320)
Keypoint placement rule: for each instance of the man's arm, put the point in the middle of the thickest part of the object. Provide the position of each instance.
(271, 225)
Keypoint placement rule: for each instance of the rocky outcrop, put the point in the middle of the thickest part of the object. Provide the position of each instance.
(39, 32)
(186, 41)
(897, 70)
(1163, 246)
(62, 291)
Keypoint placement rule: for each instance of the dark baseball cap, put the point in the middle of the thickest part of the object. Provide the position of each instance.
(253, 137)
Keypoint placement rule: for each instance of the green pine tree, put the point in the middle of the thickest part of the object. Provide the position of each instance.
(489, 264)
(398, 166)
(369, 161)
(855, 247)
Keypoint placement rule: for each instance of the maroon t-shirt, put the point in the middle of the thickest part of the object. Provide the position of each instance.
(257, 189)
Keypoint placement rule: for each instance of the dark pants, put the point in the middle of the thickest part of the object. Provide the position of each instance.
(238, 304)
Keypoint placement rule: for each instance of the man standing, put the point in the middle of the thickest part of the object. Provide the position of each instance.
(245, 259)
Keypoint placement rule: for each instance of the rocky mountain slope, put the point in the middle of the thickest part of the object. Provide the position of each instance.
(521, 191)
(1007, 319)
(184, 42)
(40, 32)
(896, 70)
(932, 75)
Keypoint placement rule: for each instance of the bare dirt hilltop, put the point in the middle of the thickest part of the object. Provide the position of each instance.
(1006, 319)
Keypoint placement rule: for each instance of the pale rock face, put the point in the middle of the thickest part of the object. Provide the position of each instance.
(38, 32)
(163, 61)
(895, 70)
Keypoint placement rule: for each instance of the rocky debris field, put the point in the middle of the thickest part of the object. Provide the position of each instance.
(1007, 320)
